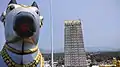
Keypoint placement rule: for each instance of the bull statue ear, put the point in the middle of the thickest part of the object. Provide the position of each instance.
(35, 4)
(2, 17)
(41, 21)
(12, 2)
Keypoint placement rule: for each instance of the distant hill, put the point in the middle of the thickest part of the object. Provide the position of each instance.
(44, 51)
(87, 49)
(49, 51)
(102, 49)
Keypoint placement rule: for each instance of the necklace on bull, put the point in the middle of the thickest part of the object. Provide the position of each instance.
(7, 59)
(29, 51)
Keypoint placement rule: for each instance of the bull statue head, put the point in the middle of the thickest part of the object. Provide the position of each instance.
(22, 24)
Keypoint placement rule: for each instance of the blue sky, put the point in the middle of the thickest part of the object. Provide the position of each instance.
(100, 21)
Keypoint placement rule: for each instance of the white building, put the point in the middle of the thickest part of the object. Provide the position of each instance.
(95, 66)
(75, 55)
(88, 62)
(46, 64)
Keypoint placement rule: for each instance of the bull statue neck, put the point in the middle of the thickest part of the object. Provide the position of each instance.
(20, 57)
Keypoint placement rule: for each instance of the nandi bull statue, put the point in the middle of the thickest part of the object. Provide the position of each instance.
(22, 24)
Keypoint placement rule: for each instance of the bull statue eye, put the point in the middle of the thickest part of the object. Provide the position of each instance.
(37, 12)
(11, 7)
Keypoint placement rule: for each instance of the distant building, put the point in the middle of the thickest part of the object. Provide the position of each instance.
(46, 64)
(88, 62)
(75, 55)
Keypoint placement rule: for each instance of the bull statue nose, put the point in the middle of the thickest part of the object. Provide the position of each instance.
(24, 24)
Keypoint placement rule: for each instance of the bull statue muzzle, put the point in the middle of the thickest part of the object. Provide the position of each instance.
(24, 24)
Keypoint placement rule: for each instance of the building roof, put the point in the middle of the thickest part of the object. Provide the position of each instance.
(72, 21)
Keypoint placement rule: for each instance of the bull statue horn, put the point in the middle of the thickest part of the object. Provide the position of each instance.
(35, 4)
(12, 2)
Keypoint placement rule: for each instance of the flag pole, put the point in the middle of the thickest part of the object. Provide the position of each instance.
(51, 20)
